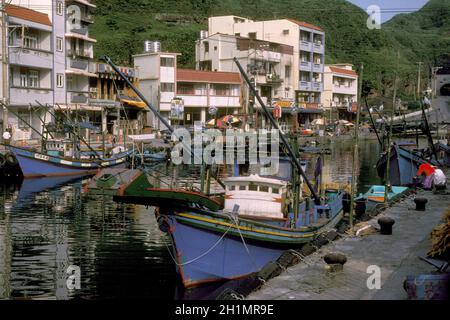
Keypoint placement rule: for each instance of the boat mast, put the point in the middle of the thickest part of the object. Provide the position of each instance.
(356, 149)
(141, 96)
(387, 179)
(276, 126)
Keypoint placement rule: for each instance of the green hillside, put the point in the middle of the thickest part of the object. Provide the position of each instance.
(121, 27)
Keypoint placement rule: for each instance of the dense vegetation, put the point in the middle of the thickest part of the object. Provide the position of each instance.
(121, 27)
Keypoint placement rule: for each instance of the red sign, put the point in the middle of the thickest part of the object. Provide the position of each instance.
(277, 113)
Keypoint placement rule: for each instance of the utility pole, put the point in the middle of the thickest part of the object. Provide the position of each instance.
(5, 87)
(418, 79)
(356, 149)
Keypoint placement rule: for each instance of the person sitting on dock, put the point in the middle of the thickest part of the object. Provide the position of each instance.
(426, 170)
(439, 180)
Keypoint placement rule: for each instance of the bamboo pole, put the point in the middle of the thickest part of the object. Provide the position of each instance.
(387, 186)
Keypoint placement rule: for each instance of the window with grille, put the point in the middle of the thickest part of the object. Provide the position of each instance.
(167, 87)
(31, 40)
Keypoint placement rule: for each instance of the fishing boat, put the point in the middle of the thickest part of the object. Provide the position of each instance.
(34, 164)
(404, 164)
(260, 218)
(377, 193)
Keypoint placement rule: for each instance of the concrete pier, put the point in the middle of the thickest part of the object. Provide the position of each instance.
(396, 255)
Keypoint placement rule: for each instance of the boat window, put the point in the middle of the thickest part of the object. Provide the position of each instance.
(231, 188)
(253, 187)
(242, 187)
(264, 189)
(276, 190)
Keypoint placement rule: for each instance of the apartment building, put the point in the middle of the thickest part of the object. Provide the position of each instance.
(308, 53)
(184, 96)
(340, 93)
(50, 57)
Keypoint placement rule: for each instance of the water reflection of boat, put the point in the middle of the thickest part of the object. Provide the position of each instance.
(32, 187)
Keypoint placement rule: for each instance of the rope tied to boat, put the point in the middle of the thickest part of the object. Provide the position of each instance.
(200, 256)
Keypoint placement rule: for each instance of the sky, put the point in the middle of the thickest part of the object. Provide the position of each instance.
(388, 5)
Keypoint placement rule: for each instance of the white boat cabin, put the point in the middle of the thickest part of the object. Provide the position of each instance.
(256, 196)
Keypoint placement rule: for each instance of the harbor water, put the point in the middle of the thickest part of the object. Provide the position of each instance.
(48, 228)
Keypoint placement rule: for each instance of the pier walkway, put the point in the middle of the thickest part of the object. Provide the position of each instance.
(396, 256)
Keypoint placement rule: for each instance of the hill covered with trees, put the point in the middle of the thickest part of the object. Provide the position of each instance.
(121, 28)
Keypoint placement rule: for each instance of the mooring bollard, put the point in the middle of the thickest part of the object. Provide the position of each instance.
(386, 224)
(420, 203)
(335, 262)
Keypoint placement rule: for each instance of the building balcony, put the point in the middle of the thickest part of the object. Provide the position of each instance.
(305, 46)
(192, 100)
(273, 79)
(78, 97)
(86, 54)
(305, 66)
(318, 48)
(318, 67)
(78, 64)
(27, 95)
(224, 102)
(84, 31)
(31, 58)
(268, 56)
(310, 86)
(343, 89)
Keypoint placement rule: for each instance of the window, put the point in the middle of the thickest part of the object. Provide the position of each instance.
(24, 118)
(232, 188)
(23, 78)
(33, 79)
(167, 62)
(29, 78)
(31, 40)
(237, 34)
(286, 31)
(275, 190)
(287, 72)
(253, 187)
(59, 80)
(215, 48)
(206, 45)
(59, 44)
(242, 188)
(167, 87)
(263, 189)
(70, 83)
(59, 8)
(252, 35)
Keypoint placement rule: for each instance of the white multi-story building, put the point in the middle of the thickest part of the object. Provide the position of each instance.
(162, 83)
(49, 58)
(340, 88)
(308, 53)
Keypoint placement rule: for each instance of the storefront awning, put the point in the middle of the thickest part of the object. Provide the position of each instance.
(136, 104)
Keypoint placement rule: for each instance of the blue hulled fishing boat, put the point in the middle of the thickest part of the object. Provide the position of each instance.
(253, 223)
(36, 164)
(404, 164)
